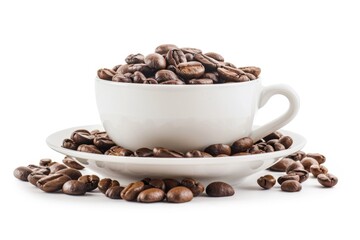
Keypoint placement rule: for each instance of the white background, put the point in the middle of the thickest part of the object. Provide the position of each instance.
(50, 52)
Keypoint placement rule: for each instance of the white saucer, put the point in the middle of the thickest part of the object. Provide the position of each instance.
(127, 169)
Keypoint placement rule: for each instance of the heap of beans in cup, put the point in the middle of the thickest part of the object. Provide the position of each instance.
(173, 65)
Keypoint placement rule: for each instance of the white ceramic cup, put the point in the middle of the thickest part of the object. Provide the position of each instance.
(187, 117)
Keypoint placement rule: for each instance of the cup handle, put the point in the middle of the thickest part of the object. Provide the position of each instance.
(294, 105)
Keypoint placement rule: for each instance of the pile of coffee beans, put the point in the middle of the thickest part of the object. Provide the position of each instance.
(173, 65)
(52, 176)
(297, 167)
(100, 143)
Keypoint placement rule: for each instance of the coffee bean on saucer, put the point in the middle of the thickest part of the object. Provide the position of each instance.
(293, 166)
(272, 142)
(107, 183)
(170, 183)
(195, 186)
(132, 190)
(74, 187)
(71, 163)
(291, 186)
(242, 145)
(103, 143)
(82, 136)
(144, 152)
(279, 147)
(22, 173)
(114, 192)
(45, 162)
(217, 149)
(179, 194)
(151, 195)
(317, 156)
(327, 180)
(286, 141)
(287, 177)
(72, 173)
(273, 135)
(89, 149)
(69, 144)
(91, 182)
(302, 173)
(52, 183)
(167, 153)
(269, 148)
(307, 162)
(219, 189)
(197, 154)
(318, 169)
(119, 151)
(266, 182)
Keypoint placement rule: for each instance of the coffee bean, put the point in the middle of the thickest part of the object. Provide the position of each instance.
(230, 64)
(175, 57)
(253, 70)
(91, 182)
(165, 75)
(279, 147)
(266, 182)
(271, 136)
(45, 162)
(105, 73)
(150, 81)
(191, 50)
(163, 152)
(138, 77)
(222, 155)
(318, 169)
(307, 162)
(173, 82)
(119, 151)
(155, 61)
(164, 48)
(195, 187)
(68, 161)
(282, 165)
(157, 183)
(103, 143)
(286, 141)
(293, 166)
(52, 183)
(272, 142)
(144, 152)
(317, 156)
(142, 67)
(107, 183)
(82, 136)
(217, 149)
(327, 180)
(209, 63)
(190, 70)
(39, 169)
(230, 74)
(119, 77)
(291, 186)
(302, 173)
(74, 187)
(134, 58)
(189, 57)
(72, 173)
(114, 192)
(269, 148)
(151, 195)
(179, 194)
(297, 156)
(242, 145)
(197, 154)
(34, 177)
(69, 144)
(241, 154)
(132, 190)
(215, 56)
(213, 76)
(22, 173)
(89, 149)
(287, 177)
(170, 183)
(219, 189)
(200, 81)
(56, 167)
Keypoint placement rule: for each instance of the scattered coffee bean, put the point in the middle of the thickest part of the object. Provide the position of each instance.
(71, 163)
(22, 173)
(327, 180)
(132, 190)
(293, 166)
(179, 194)
(219, 189)
(74, 187)
(45, 162)
(52, 183)
(302, 173)
(307, 162)
(107, 183)
(317, 156)
(287, 177)
(282, 165)
(297, 156)
(57, 167)
(266, 182)
(318, 169)
(170, 183)
(151, 195)
(91, 182)
(72, 173)
(114, 192)
(157, 183)
(291, 186)
(195, 187)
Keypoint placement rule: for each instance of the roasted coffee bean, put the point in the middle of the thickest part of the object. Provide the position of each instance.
(191, 50)
(230, 74)
(72, 173)
(217, 149)
(138, 77)
(119, 77)
(215, 56)
(170, 183)
(219, 189)
(271, 136)
(189, 57)
(318, 169)
(151, 195)
(190, 70)
(134, 58)
(293, 166)
(197, 154)
(74, 187)
(155, 61)
(132, 190)
(272, 142)
(209, 63)
(175, 57)
(141, 67)
(279, 147)
(200, 81)
(163, 152)
(150, 81)
(282, 165)
(144, 152)
(122, 69)
(242, 145)
(253, 70)
(45, 162)
(179, 194)
(164, 48)
(241, 154)
(195, 187)
(107, 183)
(291, 186)
(91, 182)
(103, 143)
(119, 151)
(105, 73)
(302, 173)
(56, 167)
(317, 156)
(165, 75)
(157, 183)
(52, 183)
(287, 177)
(230, 64)
(69, 144)
(307, 162)
(269, 148)
(286, 141)
(327, 180)
(297, 156)
(34, 177)
(250, 76)
(82, 136)
(89, 149)
(173, 82)
(116, 67)
(71, 163)
(114, 192)
(266, 182)
(213, 76)
(22, 173)
(261, 145)
(39, 169)
(222, 155)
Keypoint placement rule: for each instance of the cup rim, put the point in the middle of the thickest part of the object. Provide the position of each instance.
(137, 85)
